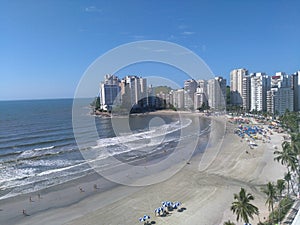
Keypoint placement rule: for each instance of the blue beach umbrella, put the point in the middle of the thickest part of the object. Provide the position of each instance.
(169, 204)
(174, 206)
(142, 219)
(146, 217)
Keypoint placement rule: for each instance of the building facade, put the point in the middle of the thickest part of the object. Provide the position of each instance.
(281, 95)
(260, 84)
(190, 87)
(216, 93)
(134, 91)
(178, 98)
(109, 92)
(236, 86)
(246, 93)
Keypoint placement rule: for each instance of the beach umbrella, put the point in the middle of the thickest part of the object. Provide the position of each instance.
(178, 203)
(142, 219)
(146, 217)
(169, 204)
(165, 204)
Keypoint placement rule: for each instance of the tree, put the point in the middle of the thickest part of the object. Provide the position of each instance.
(295, 147)
(96, 103)
(288, 178)
(286, 157)
(229, 223)
(242, 206)
(204, 106)
(280, 186)
(290, 120)
(270, 191)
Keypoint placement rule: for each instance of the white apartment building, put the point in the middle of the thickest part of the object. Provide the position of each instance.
(109, 92)
(236, 86)
(281, 96)
(246, 92)
(134, 90)
(178, 98)
(216, 93)
(199, 99)
(260, 84)
(190, 87)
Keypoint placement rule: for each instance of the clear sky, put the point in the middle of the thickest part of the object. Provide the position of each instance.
(46, 46)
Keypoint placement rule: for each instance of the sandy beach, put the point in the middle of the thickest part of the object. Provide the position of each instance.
(205, 188)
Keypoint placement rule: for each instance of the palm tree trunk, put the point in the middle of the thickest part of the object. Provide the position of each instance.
(272, 214)
(288, 188)
(293, 189)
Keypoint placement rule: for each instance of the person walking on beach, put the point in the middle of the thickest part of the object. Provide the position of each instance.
(30, 199)
(24, 212)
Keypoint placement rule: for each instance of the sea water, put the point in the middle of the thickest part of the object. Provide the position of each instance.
(38, 148)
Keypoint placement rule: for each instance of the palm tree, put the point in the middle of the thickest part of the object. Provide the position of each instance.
(287, 157)
(280, 186)
(270, 191)
(295, 146)
(295, 142)
(242, 206)
(228, 223)
(288, 178)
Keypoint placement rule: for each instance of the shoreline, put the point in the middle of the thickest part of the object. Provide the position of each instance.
(231, 169)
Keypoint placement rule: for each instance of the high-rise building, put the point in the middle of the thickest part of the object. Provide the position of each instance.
(246, 93)
(134, 91)
(178, 98)
(260, 84)
(200, 96)
(216, 93)
(109, 92)
(295, 84)
(202, 86)
(111, 79)
(281, 95)
(199, 100)
(190, 87)
(236, 86)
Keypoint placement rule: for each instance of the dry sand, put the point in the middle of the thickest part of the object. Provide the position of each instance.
(206, 191)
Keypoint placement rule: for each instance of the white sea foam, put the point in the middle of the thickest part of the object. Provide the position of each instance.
(45, 148)
(150, 135)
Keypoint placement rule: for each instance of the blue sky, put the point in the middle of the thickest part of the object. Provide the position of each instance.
(46, 46)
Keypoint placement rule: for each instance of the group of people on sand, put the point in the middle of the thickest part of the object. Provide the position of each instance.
(95, 186)
(30, 200)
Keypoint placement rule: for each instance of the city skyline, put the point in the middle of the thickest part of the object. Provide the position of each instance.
(47, 46)
(254, 92)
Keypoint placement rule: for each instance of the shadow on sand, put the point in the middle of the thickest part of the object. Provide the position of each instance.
(181, 209)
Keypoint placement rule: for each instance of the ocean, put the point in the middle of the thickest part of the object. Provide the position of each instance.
(38, 148)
